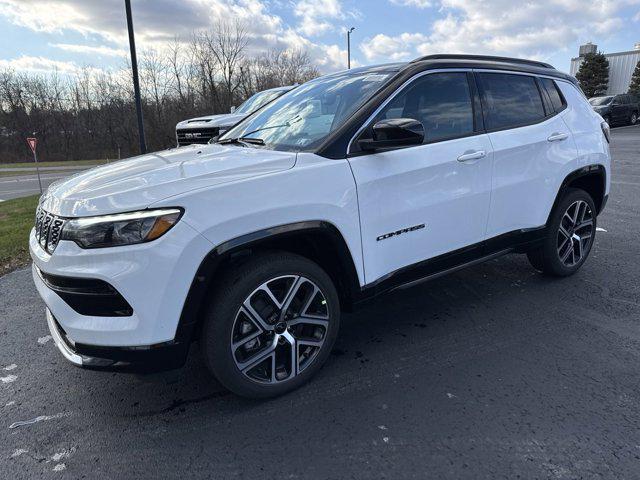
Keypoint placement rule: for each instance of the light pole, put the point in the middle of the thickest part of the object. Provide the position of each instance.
(136, 82)
(349, 47)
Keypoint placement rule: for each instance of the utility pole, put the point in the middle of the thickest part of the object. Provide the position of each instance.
(136, 82)
(349, 47)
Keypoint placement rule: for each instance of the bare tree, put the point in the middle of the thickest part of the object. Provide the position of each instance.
(91, 114)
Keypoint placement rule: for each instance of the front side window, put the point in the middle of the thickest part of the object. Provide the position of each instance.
(303, 118)
(440, 101)
(510, 100)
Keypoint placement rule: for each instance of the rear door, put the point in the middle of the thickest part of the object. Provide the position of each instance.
(419, 202)
(531, 144)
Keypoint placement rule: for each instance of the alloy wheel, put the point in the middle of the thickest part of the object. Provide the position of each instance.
(575, 233)
(279, 329)
(634, 118)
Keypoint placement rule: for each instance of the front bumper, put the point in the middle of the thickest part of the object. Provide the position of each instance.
(154, 358)
(153, 279)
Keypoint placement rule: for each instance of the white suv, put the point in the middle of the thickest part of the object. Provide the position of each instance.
(349, 186)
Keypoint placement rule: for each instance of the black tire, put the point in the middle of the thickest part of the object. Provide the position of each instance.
(633, 119)
(240, 283)
(548, 257)
(607, 119)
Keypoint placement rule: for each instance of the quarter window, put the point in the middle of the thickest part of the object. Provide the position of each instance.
(510, 100)
(557, 101)
(441, 101)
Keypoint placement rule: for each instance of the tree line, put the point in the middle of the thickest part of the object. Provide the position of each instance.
(91, 115)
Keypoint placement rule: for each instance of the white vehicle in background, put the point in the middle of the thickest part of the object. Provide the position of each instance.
(202, 129)
(352, 185)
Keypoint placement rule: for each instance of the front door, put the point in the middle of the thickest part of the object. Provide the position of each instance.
(419, 202)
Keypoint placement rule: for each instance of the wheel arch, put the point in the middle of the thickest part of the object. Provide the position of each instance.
(592, 179)
(320, 241)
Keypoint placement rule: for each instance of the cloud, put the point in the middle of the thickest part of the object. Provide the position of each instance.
(319, 16)
(159, 22)
(504, 27)
(40, 65)
(90, 50)
(413, 3)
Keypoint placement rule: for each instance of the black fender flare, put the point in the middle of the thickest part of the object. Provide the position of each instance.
(202, 281)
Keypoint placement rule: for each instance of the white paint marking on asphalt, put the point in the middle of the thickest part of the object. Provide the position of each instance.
(18, 452)
(8, 404)
(59, 467)
(43, 340)
(56, 457)
(41, 418)
(450, 395)
(382, 427)
(600, 229)
(13, 366)
(8, 379)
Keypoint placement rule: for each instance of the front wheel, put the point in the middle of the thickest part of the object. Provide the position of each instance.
(271, 325)
(634, 118)
(570, 235)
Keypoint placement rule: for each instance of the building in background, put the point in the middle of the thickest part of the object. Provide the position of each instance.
(621, 66)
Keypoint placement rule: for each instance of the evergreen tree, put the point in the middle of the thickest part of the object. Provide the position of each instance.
(593, 74)
(634, 86)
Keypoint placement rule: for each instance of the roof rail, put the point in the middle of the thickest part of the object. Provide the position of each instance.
(488, 58)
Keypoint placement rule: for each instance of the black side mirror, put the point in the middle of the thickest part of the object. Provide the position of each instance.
(396, 132)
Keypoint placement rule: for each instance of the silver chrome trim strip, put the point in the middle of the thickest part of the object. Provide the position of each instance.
(60, 343)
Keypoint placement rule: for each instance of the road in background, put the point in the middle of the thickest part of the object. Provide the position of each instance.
(16, 186)
(491, 372)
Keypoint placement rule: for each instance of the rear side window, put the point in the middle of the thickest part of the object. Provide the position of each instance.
(510, 100)
(441, 101)
(557, 101)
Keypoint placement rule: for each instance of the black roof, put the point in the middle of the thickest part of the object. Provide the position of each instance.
(430, 62)
(484, 58)
(488, 62)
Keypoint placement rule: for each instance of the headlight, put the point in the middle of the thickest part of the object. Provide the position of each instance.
(120, 229)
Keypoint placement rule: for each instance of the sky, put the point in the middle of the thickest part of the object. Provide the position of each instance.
(66, 35)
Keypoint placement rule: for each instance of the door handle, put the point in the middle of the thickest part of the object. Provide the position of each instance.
(472, 155)
(557, 136)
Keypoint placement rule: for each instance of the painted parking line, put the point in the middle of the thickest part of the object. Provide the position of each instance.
(600, 229)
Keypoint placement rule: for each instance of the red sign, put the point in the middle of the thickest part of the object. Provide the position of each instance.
(32, 144)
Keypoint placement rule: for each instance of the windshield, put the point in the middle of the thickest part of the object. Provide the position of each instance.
(600, 101)
(304, 117)
(258, 100)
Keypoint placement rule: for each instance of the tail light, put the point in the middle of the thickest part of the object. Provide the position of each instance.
(606, 131)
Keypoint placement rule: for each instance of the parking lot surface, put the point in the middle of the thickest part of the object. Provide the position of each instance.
(492, 372)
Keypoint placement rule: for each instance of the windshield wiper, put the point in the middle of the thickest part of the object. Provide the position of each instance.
(241, 141)
(257, 141)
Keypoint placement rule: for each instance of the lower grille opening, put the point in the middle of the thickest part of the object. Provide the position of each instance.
(88, 296)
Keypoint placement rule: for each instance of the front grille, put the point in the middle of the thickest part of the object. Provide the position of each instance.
(48, 229)
(196, 135)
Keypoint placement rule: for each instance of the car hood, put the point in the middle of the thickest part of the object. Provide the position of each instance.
(138, 182)
(225, 120)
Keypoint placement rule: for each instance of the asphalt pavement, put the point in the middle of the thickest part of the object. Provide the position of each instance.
(492, 372)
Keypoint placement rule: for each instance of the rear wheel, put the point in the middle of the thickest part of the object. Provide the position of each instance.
(634, 118)
(271, 325)
(570, 235)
